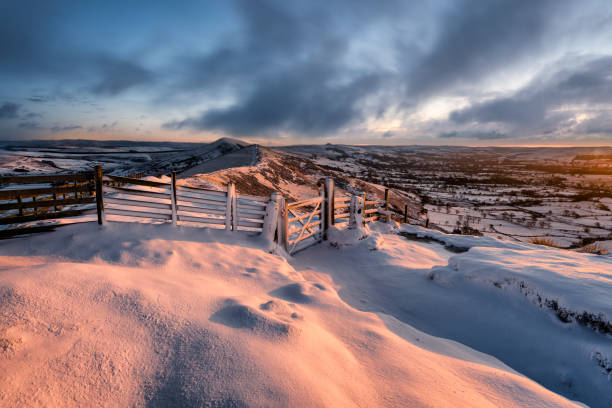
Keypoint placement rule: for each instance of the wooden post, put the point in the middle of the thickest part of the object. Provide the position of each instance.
(231, 220)
(283, 224)
(405, 213)
(234, 208)
(99, 194)
(331, 190)
(76, 190)
(173, 198)
(356, 212)
(56, 208)
(35, 206)
(321, 213)
(388, 216)
(271, 219)
(328, 203)
(20, 205)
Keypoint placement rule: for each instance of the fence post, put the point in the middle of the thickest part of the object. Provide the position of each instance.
(321, 213)
(230, 207)
(356, 212)
(173, 198)
(283, 224)
(234, 209)
(405, 213)
(271, 219)
(388, 215)
(328, 216)
(99, 194)
(20, 205)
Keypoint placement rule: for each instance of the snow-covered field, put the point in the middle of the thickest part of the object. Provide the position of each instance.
(562, 195)
(150, 315)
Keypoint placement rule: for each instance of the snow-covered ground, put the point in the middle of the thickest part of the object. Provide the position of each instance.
(151, 315)
(545, 312)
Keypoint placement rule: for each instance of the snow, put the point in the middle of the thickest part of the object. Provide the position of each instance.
(461, 242)
(542, 311)
(151, 315)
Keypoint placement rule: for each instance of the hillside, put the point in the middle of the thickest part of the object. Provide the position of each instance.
(118, 157)
(294, 176)
(194, 317)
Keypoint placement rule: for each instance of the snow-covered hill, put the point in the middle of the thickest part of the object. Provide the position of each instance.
(150, 315)
(263, 171)
(118, 157)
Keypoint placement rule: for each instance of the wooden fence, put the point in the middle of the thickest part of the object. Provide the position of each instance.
(152, 200)
(37, 200)
(42, 198)
(294, 226)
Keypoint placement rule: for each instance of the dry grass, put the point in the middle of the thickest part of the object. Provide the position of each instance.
(543, 241)
(594, 248)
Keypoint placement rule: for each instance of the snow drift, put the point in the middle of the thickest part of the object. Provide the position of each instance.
(148, 315)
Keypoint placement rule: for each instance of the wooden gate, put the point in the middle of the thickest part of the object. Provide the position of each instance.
(304, 224)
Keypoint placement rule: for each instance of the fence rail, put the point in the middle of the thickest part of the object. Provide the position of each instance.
(29, 200)
(295, 226)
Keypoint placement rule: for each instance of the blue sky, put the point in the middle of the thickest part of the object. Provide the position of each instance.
(489, 72)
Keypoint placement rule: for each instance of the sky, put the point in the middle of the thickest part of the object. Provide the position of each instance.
(441, 72)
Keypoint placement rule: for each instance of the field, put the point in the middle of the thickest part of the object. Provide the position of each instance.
(559, 196)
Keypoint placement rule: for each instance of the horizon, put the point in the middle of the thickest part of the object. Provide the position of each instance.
(467, 73)
(314, 143)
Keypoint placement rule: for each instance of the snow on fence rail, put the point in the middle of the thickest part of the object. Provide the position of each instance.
(294, 226)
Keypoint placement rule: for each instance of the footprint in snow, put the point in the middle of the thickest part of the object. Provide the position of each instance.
(294, 292)
(240, 316)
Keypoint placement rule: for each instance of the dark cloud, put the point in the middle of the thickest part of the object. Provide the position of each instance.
(477, 37)
(29, 125)
(550, 101)
(35, 43)
(40, 98)
(8, 110)
(56, 129)
(473, 135)
(287, 71)
(304, 101)
(119, 75)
